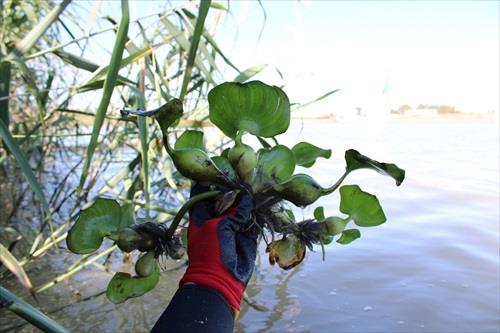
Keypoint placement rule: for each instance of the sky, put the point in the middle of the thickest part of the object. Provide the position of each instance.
(380, 54)
(431, 52)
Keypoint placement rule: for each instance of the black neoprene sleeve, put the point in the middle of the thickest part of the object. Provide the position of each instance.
(195, 308)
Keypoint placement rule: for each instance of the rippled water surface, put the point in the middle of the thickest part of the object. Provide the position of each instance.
(432, 267)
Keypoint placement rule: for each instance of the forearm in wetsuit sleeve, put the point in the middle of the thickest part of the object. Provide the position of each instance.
(196, 309)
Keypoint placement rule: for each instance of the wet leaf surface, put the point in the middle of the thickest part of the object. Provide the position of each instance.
(362, 207)
(252, 107)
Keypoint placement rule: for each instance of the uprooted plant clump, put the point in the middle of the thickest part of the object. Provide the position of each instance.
(237, 109)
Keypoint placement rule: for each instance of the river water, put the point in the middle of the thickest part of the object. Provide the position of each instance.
(432, 267)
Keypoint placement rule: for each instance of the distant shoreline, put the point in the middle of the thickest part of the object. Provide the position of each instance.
(471, 116)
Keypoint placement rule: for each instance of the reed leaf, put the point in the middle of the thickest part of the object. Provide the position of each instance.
(185, 45)
(29, 313)
(249, 73)
(109, 83)
(195, 40)
(15, 267)
(5, 70)
(34, 35)
(210, 39)
(102, 71)
(316, 99)
(23, 163)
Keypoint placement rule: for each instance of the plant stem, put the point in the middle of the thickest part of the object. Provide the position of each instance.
(337, 184)
(185, 208)
(29, 313)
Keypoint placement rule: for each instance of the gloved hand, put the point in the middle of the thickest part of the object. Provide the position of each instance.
(221, 251)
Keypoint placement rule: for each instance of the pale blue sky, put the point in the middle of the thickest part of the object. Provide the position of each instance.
(434, 52)
(429, 51)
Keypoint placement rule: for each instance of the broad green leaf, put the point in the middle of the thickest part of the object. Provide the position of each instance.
(190, 139)
(319, 213)
(362, 207)
(101, 219)
(223, 164)
(15, 267)
(252, 107)
(306, 154)
(13, 147)
(348, 236)
(123, 286)
(273, 166)
(127, 216)
(109, 83)
(248, 73)
(355, 160)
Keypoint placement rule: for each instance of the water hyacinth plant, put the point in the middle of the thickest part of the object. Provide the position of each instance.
(238, 110)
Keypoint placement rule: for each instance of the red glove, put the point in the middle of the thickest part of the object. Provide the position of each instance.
(221, 252)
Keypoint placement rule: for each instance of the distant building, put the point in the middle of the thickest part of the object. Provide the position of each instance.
(421, 112)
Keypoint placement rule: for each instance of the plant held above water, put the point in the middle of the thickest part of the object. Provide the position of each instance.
(238, 110)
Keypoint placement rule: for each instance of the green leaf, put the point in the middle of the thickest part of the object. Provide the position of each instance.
(5, 70)
(290, 214)
(123, 286)
(127, 216)
(356, 161)
(326, 239)
(109, 84)
(223, 164)
(362, 207)
(104, 70)
(167, 114)
(300, 189)
(190, 139)
(13, 147)
(348, 236)
(99, 220)
(306, 154)
(249, 73)
(204, 6)
(334, 225)
(15, 267)
(319, 214)
(252, 107)
(38, 31)
(218, 6)
(273, 166)
(184, 44)
(184, 237)
(77, 61)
